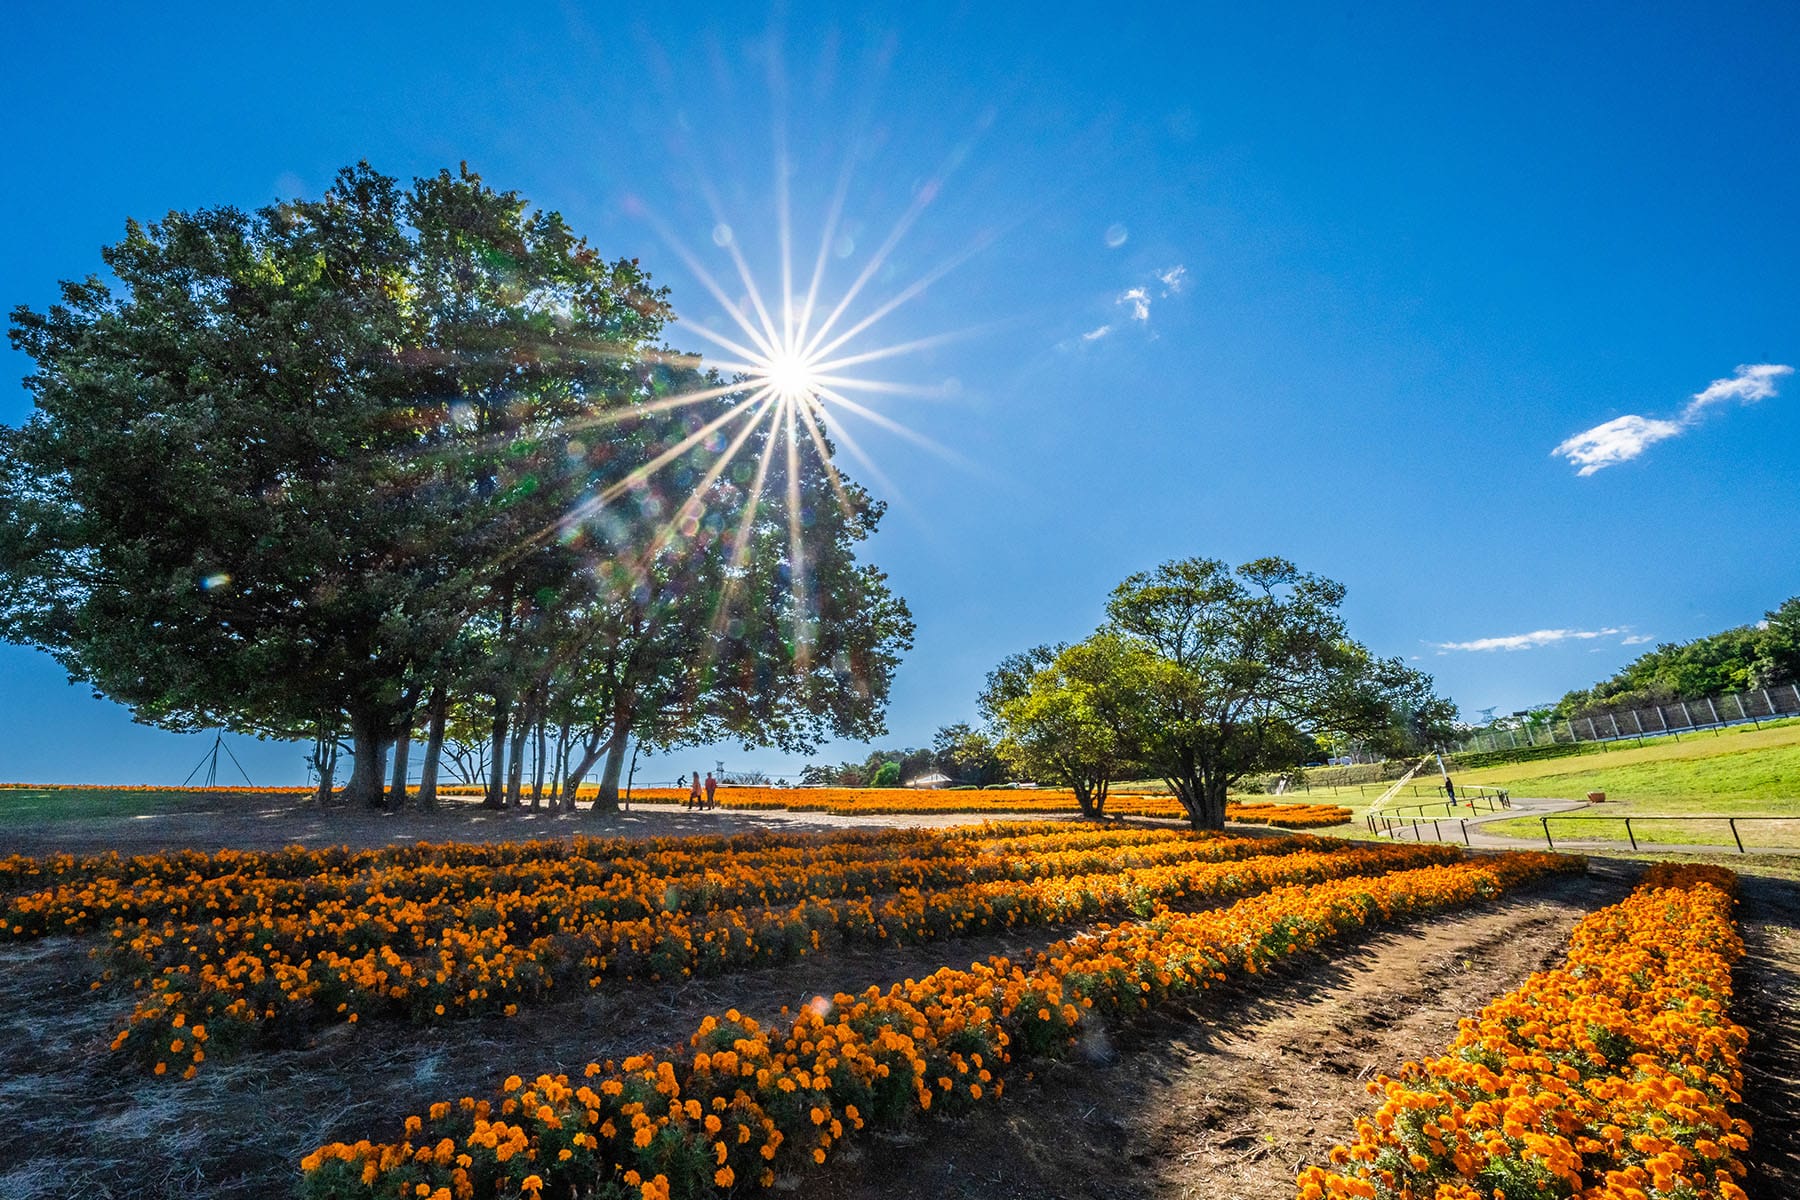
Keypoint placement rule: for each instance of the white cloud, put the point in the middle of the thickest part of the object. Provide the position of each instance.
(1750, 384)
(1624, 438)
(1618, 440)
(1094, 335)
(1636, 639)
(1530, 641)
(1139, 299)
(1173, 279)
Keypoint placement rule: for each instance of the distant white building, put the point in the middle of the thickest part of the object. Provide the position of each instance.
(936, 779)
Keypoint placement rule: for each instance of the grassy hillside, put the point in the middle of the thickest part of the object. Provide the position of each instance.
(1737, 772)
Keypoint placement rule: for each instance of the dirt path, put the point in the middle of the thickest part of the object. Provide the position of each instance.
(1230, 1098)
(74, 1123)
(1768, 990)
(263, 823)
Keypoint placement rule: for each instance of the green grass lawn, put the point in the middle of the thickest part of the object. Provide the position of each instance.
(28, 806)
(1733, 773)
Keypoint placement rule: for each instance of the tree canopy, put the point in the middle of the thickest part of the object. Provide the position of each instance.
(343, 465)
(1203, 674)
(1732, 660)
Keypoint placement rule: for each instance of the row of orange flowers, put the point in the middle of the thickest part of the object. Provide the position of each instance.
(898, 801)
(267, 974)
(24, 872)
(65, 894)
(675, 878)
(1611, 1076)
(746, 1104)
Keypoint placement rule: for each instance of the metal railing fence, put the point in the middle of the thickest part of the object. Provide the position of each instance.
(1655, 720)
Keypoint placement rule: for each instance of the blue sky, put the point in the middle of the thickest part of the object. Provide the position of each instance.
(1332, 283)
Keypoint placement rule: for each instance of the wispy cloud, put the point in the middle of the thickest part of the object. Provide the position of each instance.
(1530, 641)
(1624, 438)
(1636, 639)
(1137, 300)
(1618, 440)
(1749, 385)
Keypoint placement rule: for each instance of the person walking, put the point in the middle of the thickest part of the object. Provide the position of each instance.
(1450, 789)
(693, 800)
(712, 785)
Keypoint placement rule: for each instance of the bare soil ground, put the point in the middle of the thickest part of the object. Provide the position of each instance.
(270, 823)
(1767, 984)
(1225, 1098)
(1230, 1097)
(76, 1123)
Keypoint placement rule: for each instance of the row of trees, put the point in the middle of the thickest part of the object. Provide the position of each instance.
(960, 752)
(415, 462)
(1734, 660)
(1203, 674)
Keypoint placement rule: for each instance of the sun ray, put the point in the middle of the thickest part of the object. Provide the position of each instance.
(893, 426)
(863, 459)
(797, 583)
(696, 495)
(642, 473)
(707, 281)
(840, 196)
(814, 349)
(883, 387)
(740, 544)
(823, 364)
(813, 418)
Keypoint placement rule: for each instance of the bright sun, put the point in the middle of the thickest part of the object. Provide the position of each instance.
(790, 375)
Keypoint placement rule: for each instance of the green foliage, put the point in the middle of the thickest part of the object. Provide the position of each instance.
(1247, 669)
(1076, 721)
(887, 775)
(1205, 674)
(303, 468)
(1734, 660)
(968, 755)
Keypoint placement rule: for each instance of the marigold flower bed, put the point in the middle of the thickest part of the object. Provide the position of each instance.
(900, 801)
(745, 1104)
(293, 962)
(1610, 1076)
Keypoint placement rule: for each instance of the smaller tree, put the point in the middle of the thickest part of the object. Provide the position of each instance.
(1076, 720)
(887, 775)
(1241, 668)
(967, 755)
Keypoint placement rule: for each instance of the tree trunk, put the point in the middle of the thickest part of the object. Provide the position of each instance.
(496, 795)
(1215, 803)
(608, 798)
(1204, 800)
(515, 770)
(402, 752)
(324, 758)
(559, 768)
(368, 747)
(537, 764)
(434, 748)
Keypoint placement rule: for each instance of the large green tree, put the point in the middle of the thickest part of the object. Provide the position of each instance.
(1241, 668)
(354, 464)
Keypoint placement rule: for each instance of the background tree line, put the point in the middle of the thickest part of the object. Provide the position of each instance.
(1733, 660)
(962, 753)
(415, 463)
